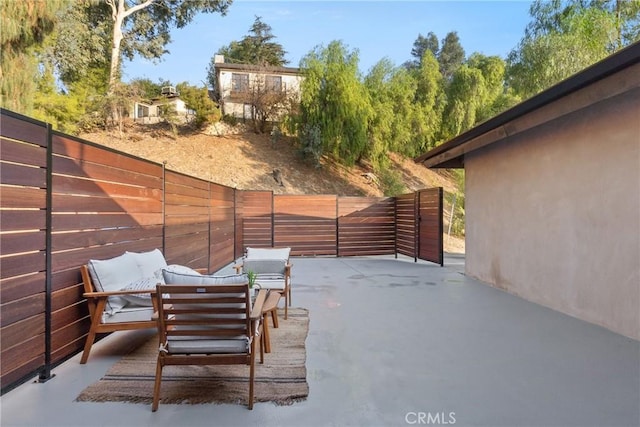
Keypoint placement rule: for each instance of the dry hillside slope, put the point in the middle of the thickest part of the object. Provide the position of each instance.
(249, 161)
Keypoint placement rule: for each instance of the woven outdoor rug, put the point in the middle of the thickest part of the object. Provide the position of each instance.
(282, 378)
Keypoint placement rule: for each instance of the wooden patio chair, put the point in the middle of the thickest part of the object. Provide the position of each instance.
(207, 325)
(273, 269)
(105, 320)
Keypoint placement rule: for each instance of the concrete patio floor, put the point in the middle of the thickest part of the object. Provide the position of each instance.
(393, 342)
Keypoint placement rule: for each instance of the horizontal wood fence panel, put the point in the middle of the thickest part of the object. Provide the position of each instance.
(24, 153)
(72, 203)
(82, 221)
(21, 309)
(254, 220)
(19, 220)
(67, 299)
(25, 241)
(366, 226)
(23, 197)
(17, 265)
(69, 315)
(14, 334)
(14, 174)
(19, 361)
(306, 223)
(19, 287)
(80, 150)
(430, 227)
(81, 186)
(186, 200)
(29, 130)
(64, 341)
(81, 239)
(406, 225)
(105, 173)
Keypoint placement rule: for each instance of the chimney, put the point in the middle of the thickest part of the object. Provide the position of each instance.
(218, 59)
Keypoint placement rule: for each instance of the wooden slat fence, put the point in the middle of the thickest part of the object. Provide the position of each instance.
(23, 256)
(64, 201)
(307, 224)
(366, 226)
(254, 219)
(430, 229)
(406, 225)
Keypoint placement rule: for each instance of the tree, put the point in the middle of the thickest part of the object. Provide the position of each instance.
(24, 24)
(451, 55)
(334, 101)
(143, 27)
(256, 48)
(565, 38)
(421, 45)
(428, 105)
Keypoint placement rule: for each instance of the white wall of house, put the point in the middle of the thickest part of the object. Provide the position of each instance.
(151, 111)
(553, 212)
(290, 83)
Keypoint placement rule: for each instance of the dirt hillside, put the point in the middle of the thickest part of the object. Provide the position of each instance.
(249, 161)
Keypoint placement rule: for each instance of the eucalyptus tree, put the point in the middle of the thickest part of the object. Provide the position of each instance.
(143, 27)
(335, 105)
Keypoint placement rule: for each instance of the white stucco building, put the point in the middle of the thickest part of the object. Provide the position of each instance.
(236, 81)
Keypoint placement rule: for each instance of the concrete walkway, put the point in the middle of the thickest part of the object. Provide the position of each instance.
(393, 342)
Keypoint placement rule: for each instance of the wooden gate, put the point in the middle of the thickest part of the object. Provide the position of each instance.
(430, 227)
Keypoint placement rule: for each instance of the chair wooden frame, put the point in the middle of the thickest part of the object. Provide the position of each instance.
(97, 302)
(194, 319)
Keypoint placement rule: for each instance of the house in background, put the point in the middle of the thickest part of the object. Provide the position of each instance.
(151, 112)
(552, 195)
(237, 83)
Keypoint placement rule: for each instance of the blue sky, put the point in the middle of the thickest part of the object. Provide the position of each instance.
(377, 29)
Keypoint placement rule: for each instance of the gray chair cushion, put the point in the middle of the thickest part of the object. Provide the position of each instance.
(265, 266)
(175, 278)
(206, 346)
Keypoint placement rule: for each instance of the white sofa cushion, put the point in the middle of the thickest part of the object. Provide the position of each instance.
(149, 262)
(113, 275)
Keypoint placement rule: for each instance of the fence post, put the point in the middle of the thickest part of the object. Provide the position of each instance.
(45, 374)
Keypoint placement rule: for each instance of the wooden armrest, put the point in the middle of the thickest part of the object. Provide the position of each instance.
(152, 292)
(256, 310)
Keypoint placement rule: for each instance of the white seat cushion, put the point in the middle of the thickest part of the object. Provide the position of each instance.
(129, 314)
(275, 284)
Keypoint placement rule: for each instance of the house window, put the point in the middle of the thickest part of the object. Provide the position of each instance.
(273, 83)
(239, 82)
(143, 111)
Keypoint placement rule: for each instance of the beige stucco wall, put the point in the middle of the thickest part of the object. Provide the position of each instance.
(553, 213)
